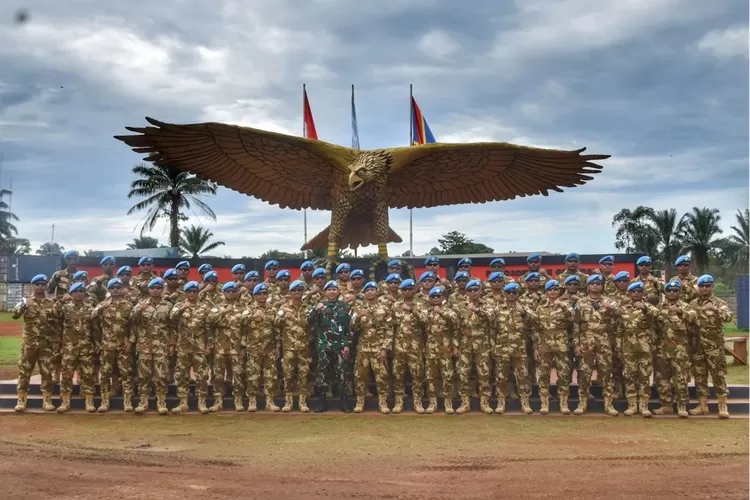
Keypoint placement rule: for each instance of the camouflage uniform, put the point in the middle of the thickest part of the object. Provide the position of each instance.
(151, 334)
(609, 284)
(112, 321)
(98, 287)
(582, 277)
(509, 349)
(77, 351)
(189, 335)
(227, 325)
(140, 282)
(441, 328)
(689, 288)
(374, 325)
(408, 350)
(709, 353)
(653, 288)
(292, 324)
(58, 287)
(551, 341)
(263, 344)
(542, 280)
(331, 334)
(474, 347)
(173, 296)
(674, 347)
(36, 345)
(618, 367)
(636, 341)
(595, 345)
(211, 298)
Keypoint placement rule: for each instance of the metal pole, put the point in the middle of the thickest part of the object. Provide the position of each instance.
(411, 143)
(304, 134)
(53, 234)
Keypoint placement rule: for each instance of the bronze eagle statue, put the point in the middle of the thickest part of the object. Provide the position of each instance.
(358, 187)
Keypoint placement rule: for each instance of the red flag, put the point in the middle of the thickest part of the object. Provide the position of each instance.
(307, 117)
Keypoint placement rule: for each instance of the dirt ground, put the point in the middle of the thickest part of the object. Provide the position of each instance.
(11, 329)
(370, 457)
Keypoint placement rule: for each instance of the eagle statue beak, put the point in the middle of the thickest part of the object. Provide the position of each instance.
(355, 181)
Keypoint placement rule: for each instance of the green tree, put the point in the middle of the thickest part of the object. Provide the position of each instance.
(49, 249)
(167, 192)
(457, 243)
(634, 233)
(738, 246)
(195, 241)
(143, 242)
(15, 246)
(699, 235)
(7, 228)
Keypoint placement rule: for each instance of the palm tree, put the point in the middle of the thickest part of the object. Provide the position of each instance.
(634, 231)
(143, 242)
(168, 191)
(194, 241)
(15, 246)
(668, 230)
(7, 229)
(699, 234)
(737, 247)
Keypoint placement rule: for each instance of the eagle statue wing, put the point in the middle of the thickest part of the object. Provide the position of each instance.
(280, 169)
(434, 175)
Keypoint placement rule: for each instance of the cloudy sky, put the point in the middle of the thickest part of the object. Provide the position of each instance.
(661, 85)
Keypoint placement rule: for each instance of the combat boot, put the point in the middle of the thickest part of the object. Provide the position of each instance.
(161, 404)
(448, 403)
(432, 406)
(360, 404)
(218, 404)
(682, 410)
(47, 402)
(383, 404)
(252, 404)
(608, 408)
(303, 403)
(484, 405)
(142, 405)
(21, 403)
(563, 397)
(288, 403)
(64, 403)
(723, 410)
(398, 404)
(513, 391)
(643, 409)
(270, 405)
(544, 399)
(344, 404)
(464, 408)
(500, 408)
(127, 402)
(583, 405)
(202, 405)
(182, 407)
(418, 408)
(322, 404)
(238, 404)
(664, 409)
(89, 402)
(702, 408)
(525, 407)
(104, 405)
(632, 407)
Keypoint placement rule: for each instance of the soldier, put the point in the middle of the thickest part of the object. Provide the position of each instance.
(389, 292)
(330, 322)
(498, 266)
(676, 315)
(593, 344)
(238, 273)
(150, 333)
(145, 275)
(509, 347)
(357, 281)
(432, 264)
(494, 286)
(551, 346)
(99, 284)
(228, 327)
(459, 285)
(394, 268)
(572, 296)
(635, 340)
(173, 293)
(202, 270)
(210, 294)
(281, 295)
(441, 347)
(606, 264)
(189, 335)
(689, 288)
(78, 346)
(409, 317)
(426, 283)
(531, 297)
(712, 314)
(183, 270)
(464, 264)
(534, 262)
(306, 269)
(91, 298)
(271, 267)
(263, 349)
(61, 280)
(133, 295)
(111, 319)
(622, 281)
(36, 344)
(572, 261)
(477, 320)
(292, 324)
(342, 277)
(251, 280)
(314, 294)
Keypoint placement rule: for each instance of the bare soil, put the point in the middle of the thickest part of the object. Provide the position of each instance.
(370, 457)
(11, 329)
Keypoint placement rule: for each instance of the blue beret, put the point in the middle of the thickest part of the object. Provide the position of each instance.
(432, 259)
(146, 259)
(393, 277)
(170, 273)
(319, 272)
(80, 275)
(230, 285)
(495, 262)
(210, 275)
(622, 276)
(461, 275)
(39, 278)
(283, 275)
(681, 259)
(70, 254)
(572, 256)
(436, 290)
(464, 262)
(204, 268)
(357, 272)
(706, 279)
(369, 285)
(271, 263)
(534, 256)
(260, 287)
(308, 264)
(426, 275)
(156, 282)
(297, 284)
(644, 260)
(238, 268)
(394, 263)
(607, 258)
(191, 285)
(107, 259)
(636, 285)
(572, 279)
(407, 283)
(473, 284)
(532, 276)
(77, 287)
(183, 264)
(343, 267)
(496, 276)
(551, 284)
(114, 282)
(511, 287)
(594, 278)
(252, 274)
(673, 284)
(331, 284)
(124, 270)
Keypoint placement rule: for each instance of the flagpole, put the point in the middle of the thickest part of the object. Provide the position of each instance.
(304, 134)
(411, 132)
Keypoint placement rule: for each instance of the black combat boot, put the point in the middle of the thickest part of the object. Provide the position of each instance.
(322, 403)
(345, 404)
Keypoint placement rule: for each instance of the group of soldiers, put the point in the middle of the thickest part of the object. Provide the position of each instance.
(316, 334)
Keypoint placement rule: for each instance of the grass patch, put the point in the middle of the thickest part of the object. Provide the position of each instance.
(6, 317)
(731, 330)
(737, 374)
(9, 349)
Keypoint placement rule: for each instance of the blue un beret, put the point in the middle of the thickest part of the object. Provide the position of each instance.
(551, 284)
(283, 275)
(308, 264)
(78, 275)
(461, 275)
(464, 262)
(319, 272)
(183, 264)
(357, 272)
(681, 259)
(533, 276)
(394, 263)
(297, 284)
(260, 287)
(238, 268)
(170, 273)
(496, 276)
(436, 290)
(107, 259)
(594, 278)
(673, 284)
(510, 287)
(70, 254)
(572, 256)
(643, 260)
(156, 282)
(204, 268)
(636, 285)
(39, 278)
(113, 283)
(146, 259)
(407, 283)
(622, 276)
(706, 279)
(343, 267)
(572, 279)
(534, 256)
(370, 284)
(473, 284)
(230, 285)
(191, 285)
(426, 275)
(124, 270)
(271, 263)
(252, 274)
(497, 261)
(75, 287)
(210, 275)
(607, 258)
(432, 259)
(393, 277)
(331, 284)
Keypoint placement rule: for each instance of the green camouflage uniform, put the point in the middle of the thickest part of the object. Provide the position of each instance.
(331, 333)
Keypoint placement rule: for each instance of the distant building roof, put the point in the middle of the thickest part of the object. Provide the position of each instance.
(489, 255)
(157, 253)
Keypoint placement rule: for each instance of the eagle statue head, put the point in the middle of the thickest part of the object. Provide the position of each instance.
(367, 167)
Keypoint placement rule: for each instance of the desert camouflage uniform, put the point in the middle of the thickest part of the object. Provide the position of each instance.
(190, 336)
(609, 284)
(227, 327)
(618, 366)
(151, 334)
(408, 347)
(595, 344)
(542, 280)
(273, 286)
(531, 300)
(689, 288)
(653, 288)
(58, 287)
(211, 298)
(674, 348)
(292, 324)
(133, 295)
(509, 348)
(474, 347)
(551, 341)
(388, 299)
(487, 286)
(636, 339)
(77, 346)
(111, 320)
(374, 325)
(98, 287)
(582, 277)
(712, 313)
(173, 296)
(140, 282)
(331, 333)
(442, 337)
(36, 343)
(263, 344)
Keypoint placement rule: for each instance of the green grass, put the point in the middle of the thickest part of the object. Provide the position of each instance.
(731, 330)
(9, 349)
(6, 317)
(737, 374)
